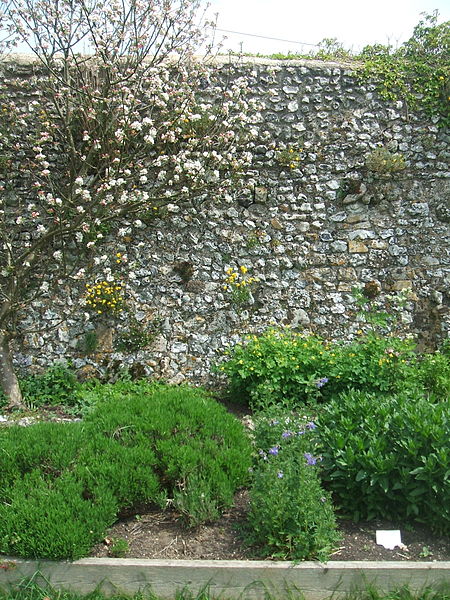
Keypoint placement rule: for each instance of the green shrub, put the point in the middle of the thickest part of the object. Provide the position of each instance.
(291, 430)
(291, 516)
(287, 369)
(189, 434)
(50, 447)
(141, 443)
(388, 457)
(51, 518)
(433, 374)
(417, 72)
(58, 385)
(280, 367)
(373, 363)
(127, 470)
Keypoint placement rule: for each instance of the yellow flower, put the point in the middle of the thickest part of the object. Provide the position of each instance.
(243, 269)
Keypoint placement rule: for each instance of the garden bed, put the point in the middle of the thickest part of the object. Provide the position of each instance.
(157, 534)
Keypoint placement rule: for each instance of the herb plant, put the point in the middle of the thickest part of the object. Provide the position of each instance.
(291, 515)
(140, 443)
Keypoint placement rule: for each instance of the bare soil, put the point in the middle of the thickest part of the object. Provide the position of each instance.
(157, 534)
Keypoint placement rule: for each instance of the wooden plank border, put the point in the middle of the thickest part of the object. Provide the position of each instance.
(224, 578)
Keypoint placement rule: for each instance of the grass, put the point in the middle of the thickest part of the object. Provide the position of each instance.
(30, 590)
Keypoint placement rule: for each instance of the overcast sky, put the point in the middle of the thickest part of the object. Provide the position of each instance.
(354, 23)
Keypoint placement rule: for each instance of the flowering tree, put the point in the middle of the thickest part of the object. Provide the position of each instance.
(92, 141)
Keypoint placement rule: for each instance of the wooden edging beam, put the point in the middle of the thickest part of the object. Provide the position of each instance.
(224, 578)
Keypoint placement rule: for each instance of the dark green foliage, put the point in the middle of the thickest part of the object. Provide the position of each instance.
(58, 385)
(63, 484)
(388, 456)
(128, 471)
(50, 447)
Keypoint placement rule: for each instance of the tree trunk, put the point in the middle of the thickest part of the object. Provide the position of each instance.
(8, 379)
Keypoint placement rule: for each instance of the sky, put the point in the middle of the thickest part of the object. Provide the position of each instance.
(355, 23)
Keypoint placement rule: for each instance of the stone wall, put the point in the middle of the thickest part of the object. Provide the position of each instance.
(309, 233)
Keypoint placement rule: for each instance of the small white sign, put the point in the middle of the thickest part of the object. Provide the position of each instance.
(389, 538)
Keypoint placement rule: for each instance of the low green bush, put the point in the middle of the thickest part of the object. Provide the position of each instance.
(43, 517)
(433, 374)
(51, 448)
(287, 369)
(388, 456)
(200, 450)
(63, 484)
(280, 367)
(57, 385)
(291, 515)
(373, 363)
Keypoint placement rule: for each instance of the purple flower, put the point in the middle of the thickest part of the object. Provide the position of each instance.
(301, 432)
(321, 382)
(280, 474)
(311, 425)
(310, 459)
(287, 434)
(274, 450)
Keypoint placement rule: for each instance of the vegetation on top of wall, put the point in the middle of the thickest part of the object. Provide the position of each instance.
(416, 73)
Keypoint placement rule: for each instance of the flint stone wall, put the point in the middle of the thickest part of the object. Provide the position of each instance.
(306, 233)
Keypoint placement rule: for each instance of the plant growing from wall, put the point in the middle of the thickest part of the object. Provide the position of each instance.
(137, 336)
(381, 160)
(104, 297)
(239, 285)
(103, 139)
(290, 156)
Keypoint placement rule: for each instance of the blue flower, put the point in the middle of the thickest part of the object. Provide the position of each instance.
(321, 382)
(274, 450)
(280, 474)
(287, 434)
(311, 425)
(310, 459)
